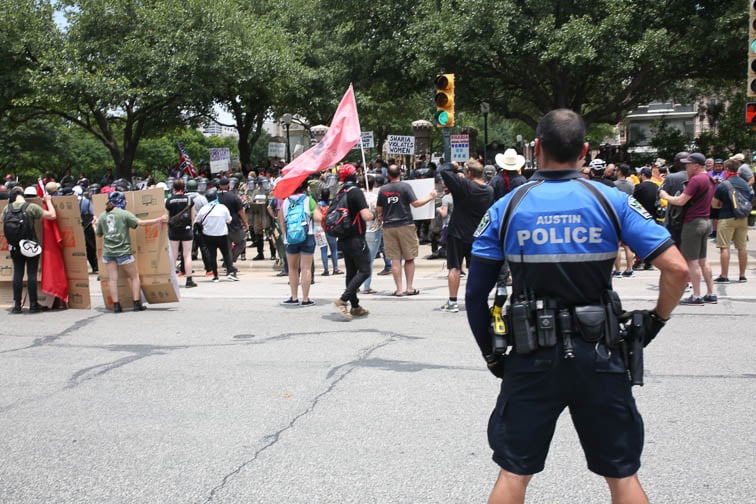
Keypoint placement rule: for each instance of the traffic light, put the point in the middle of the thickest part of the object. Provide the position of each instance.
(751, 89)
(444, 116)
(750, 114)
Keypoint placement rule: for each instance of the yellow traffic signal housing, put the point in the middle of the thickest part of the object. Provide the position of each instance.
(751, 85)
(444, 116)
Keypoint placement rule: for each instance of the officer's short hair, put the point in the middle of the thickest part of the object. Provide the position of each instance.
(561, 133)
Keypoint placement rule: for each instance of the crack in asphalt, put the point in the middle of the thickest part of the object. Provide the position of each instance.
(338, 373)
(45, 340)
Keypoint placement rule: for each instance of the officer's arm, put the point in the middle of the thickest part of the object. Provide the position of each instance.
(481, 278)
(674, 277)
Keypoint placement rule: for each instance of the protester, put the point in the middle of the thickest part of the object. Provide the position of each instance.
(732, 228)
(354, 246)
(299, 255)
(472, 197)
(213, 219)
(400, 238)
(29, 214)
(179, 207)
(113, 225)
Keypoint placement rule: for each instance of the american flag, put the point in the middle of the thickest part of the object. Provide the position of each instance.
(185, 162)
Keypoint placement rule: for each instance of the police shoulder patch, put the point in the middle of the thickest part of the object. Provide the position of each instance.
(638, 208)
(483, 225)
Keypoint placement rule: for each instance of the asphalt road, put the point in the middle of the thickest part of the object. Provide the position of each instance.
(228, 397)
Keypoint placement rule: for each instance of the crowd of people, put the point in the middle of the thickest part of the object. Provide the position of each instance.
(214, 217)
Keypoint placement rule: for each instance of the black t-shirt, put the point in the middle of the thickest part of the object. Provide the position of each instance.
(179, 224)
(503, 182)
(471, 200)
(234, 205)
(645, 193)
(356, 202)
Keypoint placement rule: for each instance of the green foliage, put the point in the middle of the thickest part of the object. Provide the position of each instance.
(668, 140)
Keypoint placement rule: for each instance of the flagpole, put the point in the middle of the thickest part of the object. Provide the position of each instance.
(362, 147)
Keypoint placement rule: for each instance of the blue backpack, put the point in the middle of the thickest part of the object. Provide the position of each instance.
(296, 221)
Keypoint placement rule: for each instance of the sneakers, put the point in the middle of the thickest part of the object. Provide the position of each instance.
(343, 309)
(628, 273)
(35, 308)
(359, 311)
(290, 302)
(689, 287)
(616, 274)
(692, 300)
(450, 307)
(384, 272)
(325, 273)
(721, 280)
(282, 273)
(710, 299)
(258, 257)
(190, 284)
(742, 279)
(338, 272)
(216, 279)
(16, 309)
(309, 302)
(232, 276)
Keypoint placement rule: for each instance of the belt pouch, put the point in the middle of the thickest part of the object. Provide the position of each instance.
(523, 329)
(613, 311)
(591, 320)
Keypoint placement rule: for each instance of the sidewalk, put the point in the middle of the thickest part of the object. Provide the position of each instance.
(258, 279)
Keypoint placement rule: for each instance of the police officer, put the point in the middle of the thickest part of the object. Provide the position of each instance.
(560, 237)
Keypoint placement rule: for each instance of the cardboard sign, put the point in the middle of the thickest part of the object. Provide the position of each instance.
(396, 144)
(367, 141)
(150, 247)
(422, 188)
(277, 150)
(73, 249)
(220, 160)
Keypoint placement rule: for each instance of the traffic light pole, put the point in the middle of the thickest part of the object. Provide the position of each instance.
(447, 145)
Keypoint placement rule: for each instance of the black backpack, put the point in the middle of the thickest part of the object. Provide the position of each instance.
(337, 221)
(17, 225)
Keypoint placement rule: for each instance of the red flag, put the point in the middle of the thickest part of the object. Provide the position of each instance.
(342, 135)
(54, 280)
(185, 162)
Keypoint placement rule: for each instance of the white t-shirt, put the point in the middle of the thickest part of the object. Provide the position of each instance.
(216, 222)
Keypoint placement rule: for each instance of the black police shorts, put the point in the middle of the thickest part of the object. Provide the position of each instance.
(456, 252)
(594, 386)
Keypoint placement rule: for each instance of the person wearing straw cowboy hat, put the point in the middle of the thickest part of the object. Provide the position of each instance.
(509, 176)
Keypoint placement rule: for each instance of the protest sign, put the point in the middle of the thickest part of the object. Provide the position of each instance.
(397, 144)
(460, 148)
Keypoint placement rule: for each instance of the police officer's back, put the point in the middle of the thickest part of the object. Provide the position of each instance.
(560, 345)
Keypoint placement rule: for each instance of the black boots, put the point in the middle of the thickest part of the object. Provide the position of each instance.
(138, 306)
(117, 307)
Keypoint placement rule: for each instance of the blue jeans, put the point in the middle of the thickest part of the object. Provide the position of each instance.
(373, 242)
(333, 246)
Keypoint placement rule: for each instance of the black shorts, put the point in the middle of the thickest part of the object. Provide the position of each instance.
(456, 252)
(535, 390)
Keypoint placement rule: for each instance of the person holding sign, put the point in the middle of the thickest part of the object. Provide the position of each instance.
(399, 236)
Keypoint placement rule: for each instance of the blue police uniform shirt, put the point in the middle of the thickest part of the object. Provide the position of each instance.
(560, 242)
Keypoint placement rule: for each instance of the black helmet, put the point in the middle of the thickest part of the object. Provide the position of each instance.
(94, 189)
(122, 185)
(211, 194)
(191, 185)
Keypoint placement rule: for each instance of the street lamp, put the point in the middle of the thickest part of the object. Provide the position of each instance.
(485, 108)
(286, 119)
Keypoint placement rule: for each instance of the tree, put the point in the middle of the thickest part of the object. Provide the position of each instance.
(122, 70)
(24, 26)
(600, 58)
